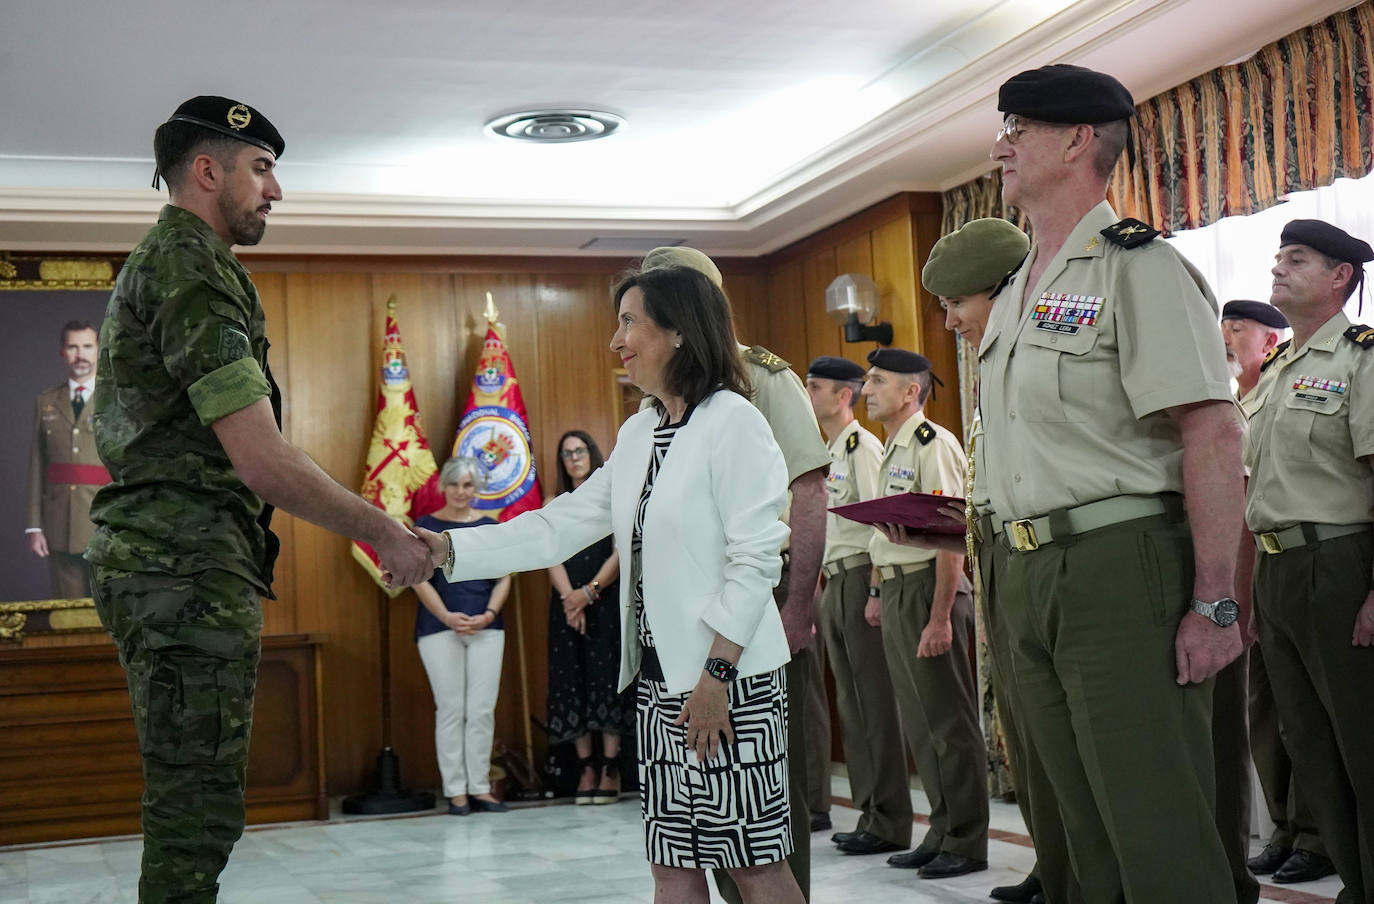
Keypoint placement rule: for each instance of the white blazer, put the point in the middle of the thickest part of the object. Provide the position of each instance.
(711, 538)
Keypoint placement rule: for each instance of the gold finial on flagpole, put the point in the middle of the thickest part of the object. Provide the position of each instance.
(391, 304)
(491, 313)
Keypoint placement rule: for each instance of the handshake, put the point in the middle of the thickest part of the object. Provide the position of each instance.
(408, 556)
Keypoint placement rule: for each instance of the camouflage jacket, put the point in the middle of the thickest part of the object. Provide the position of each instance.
(183, 344)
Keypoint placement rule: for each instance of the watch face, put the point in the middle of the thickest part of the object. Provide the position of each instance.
(1226, 612)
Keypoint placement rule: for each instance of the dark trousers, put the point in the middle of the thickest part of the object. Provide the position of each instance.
(1294, 825)
(817, 731)
(1091, 627)
(1231, 759)
(1308, 599)
(190, 649)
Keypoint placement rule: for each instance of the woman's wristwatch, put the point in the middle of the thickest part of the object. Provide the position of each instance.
(721, 669)
(596, 589)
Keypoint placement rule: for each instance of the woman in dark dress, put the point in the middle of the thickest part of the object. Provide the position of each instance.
(584, 644)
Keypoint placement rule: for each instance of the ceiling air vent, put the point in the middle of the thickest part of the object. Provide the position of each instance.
(555, 126)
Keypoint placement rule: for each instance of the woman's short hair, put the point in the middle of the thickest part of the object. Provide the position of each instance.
(594, 458)
(458, 467)
(685, 300)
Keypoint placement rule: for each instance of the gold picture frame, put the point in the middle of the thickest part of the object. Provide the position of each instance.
(27, 617)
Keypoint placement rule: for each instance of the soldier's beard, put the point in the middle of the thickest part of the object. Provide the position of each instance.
(245, 227)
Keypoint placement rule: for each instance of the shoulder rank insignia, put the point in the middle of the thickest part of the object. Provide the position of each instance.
(852, 443)
(1361, 335)
(1280, 349)
(925, 433)
(765, 359)
(1129, 233)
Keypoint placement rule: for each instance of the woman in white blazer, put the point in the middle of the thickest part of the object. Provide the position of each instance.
(693, 493)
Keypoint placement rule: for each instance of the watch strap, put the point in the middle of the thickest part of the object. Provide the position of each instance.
(721, 669)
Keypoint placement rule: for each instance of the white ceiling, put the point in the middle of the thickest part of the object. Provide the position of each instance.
(751, 123)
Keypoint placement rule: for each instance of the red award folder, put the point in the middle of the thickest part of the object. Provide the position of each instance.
(918, 511)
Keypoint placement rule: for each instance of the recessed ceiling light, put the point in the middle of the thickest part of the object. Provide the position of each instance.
(555, 126)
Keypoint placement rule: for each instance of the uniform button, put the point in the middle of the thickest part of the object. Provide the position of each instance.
(1013, 415)
(75, 450)
(1018, 478)
(75, 431)
(1054, 340)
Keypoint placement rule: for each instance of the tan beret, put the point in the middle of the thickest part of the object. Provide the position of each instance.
(682, 256)
(974, 258)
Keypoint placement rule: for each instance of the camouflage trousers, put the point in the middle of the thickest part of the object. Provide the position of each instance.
(190, 648)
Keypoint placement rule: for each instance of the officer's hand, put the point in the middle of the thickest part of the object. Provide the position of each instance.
(904, 536)
(936, 639)
(438, 546)
(955, 511)
(1202, 649)
(873, 612)
(405, 559)
(1364, 623)
(38, 544)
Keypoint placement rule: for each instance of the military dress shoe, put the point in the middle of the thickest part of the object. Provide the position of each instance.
(914, 859)
(1022, 893)
(1038, 899)
(820, 822)
(1303, 866)
(948, 865)
(867, 843)
(842, 837)
(1269, 859)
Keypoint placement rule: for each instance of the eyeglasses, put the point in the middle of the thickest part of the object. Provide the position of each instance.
(1013, 128)
(570, 454)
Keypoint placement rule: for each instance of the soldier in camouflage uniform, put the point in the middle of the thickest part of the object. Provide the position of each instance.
(187, 420)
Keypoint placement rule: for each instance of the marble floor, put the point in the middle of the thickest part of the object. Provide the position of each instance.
(540, 855)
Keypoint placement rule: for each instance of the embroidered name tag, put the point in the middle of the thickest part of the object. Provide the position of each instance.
(901, 473)
(1060, 312)
(1337, 386)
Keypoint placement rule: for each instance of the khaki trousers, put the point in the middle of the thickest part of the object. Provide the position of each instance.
(869, 727)
(936, 698)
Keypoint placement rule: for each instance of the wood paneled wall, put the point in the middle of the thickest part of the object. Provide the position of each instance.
(325, 321)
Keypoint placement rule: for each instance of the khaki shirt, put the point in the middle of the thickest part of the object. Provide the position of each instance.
(1073, 403)
(915, 464)
(1314, 422)
(854, 458)
(782, 400)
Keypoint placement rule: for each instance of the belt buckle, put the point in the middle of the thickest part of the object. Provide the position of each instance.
(1023, 536)
(1270, 543)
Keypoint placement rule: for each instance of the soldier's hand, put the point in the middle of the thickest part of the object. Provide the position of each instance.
(936, 639)
(904, 536)
(1364, 623)
(38, 544)
(955, 511)
(1202, 649)
(873, 612)
(438, 546)
(404, 558)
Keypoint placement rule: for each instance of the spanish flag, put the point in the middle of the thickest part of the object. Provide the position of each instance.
(495, 430)
(400, 474)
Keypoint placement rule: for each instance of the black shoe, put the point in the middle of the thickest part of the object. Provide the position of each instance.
(948, 865)
(486, 806)
(455, 810)
(1023, 893)
(1303, 866)
(842, 837)
(914, 859)
(820, 822)
(1269, 859)
(1038, 899)
(867, 843)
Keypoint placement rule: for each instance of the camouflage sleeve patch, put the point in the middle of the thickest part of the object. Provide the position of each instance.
(199, 330)
(231, 388)
(1361, 335)
(764, 358)
(1129, 233)
(925, 433)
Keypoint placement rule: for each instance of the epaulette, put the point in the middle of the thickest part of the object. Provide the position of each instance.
(1278, 350)
(925, 433)
(765, 359)
(852, 443)
(1361, 335)
(1130, 233)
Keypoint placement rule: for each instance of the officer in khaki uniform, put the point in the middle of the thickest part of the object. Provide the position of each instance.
(873, 753)
(782, 400)
(1310, 448)
(926, 611)
(64, 468)
(1104, 392)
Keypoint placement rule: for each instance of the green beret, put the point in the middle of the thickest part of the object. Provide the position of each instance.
(1066, 94)
(1329, 240)
(974, 258)
(682, 256)
(231, 118)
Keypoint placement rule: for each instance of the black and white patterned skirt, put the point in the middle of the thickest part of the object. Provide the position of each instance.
(727, 812)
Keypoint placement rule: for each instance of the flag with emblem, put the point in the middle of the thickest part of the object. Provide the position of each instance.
(495, 431)
(400, 476)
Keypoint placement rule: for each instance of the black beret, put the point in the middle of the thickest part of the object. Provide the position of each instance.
(1258, 311)
(229, 117)
(898, 360)
(1066, 94)
(1329, 240)
(832, 368)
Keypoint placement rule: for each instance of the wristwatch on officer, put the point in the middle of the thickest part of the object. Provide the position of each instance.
(721, 669)
(874, 592)
(1223, 612)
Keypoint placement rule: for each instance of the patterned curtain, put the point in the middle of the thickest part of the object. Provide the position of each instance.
(1297, 115)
